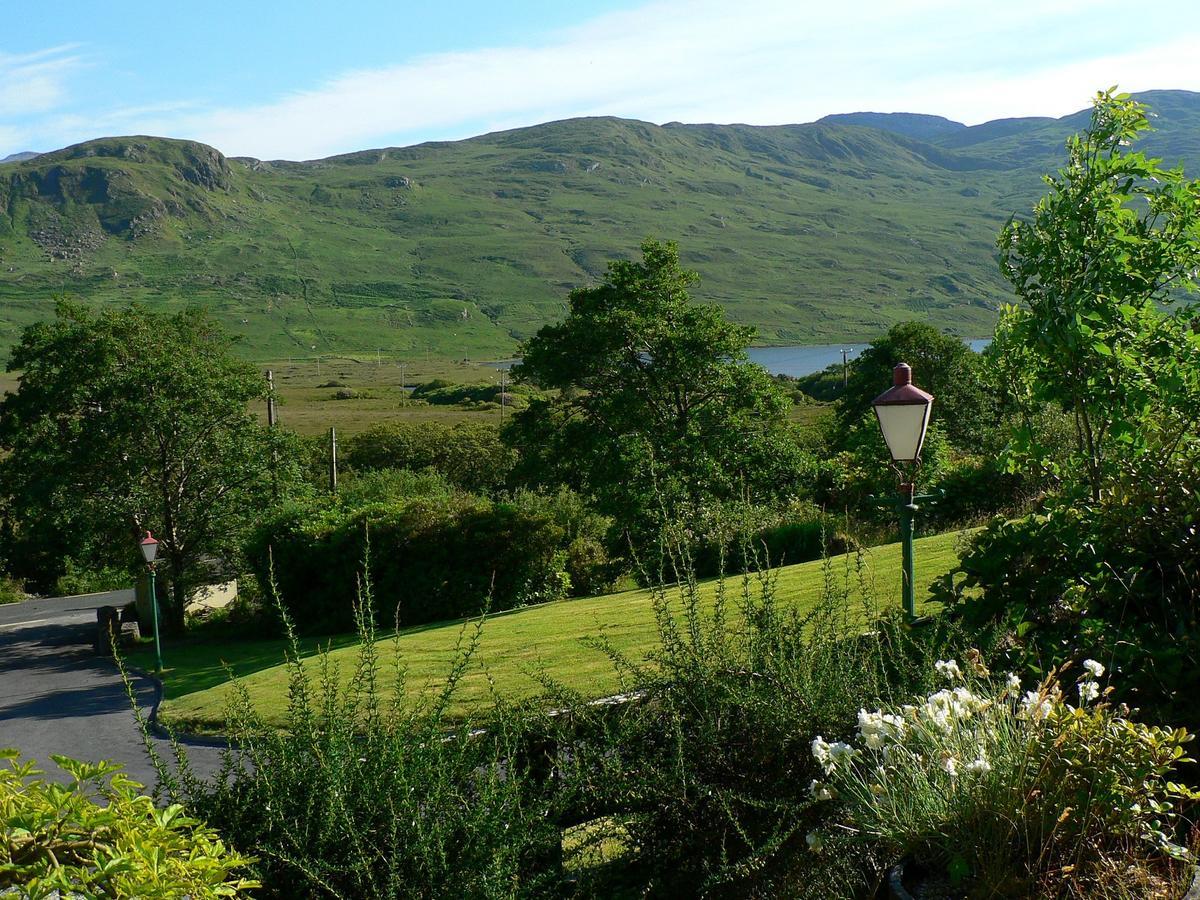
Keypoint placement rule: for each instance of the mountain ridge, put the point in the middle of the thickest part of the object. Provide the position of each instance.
(814, 232)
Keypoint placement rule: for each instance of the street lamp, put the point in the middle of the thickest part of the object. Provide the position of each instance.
(903, 413)
(149, 548)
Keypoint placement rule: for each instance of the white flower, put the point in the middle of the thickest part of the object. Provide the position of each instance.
(1012, 682)
(815, 841)
(949, 669)
(829, 755)
(1035, 706)
(1095, 669)
(978, 766)
(950, 765)
(1088, 691)
(820, 791)
(877, 729)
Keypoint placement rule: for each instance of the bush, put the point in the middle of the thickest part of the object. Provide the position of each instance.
(11, 590)
(1117, 580)
(78, 579)
(98, 836)
(364, 795)
(1008, 794)
(746, 537)
(469, 455)
(431, 558)
(705, 781)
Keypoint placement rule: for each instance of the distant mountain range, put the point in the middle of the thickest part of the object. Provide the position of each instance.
(18, 157)
(814, 233)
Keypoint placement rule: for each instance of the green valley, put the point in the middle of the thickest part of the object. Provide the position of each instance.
(820, 232)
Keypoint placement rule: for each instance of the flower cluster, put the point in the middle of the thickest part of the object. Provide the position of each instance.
(828, 755)
(877, 729)
(948, 669)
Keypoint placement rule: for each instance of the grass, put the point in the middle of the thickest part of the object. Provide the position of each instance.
(515, 645)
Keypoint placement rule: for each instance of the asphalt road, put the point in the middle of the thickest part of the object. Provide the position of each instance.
(57, 696)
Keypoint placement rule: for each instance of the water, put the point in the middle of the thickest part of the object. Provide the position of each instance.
(804, 360)
(795, 361)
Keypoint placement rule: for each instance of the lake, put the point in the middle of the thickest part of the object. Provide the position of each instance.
(795, 361)
(804, 360)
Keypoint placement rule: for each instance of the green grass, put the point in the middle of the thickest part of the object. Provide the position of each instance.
(515, 645)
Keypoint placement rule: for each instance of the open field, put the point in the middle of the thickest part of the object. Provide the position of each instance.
(515, 645)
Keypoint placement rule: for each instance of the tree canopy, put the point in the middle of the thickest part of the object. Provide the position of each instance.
(657, 403)
(1114, 243)
(127, 420)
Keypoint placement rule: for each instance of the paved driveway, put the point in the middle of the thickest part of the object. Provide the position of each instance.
(58, 696)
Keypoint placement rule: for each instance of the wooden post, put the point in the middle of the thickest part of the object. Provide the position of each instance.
(332, 460)
(270, 399)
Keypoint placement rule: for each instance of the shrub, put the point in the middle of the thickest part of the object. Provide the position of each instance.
(469, 455)
(704, 782)
(1117, 580)
(11, 590)
(1009, 794)
(78, 579)
(98, 836)
(363, 794)
(431, 558)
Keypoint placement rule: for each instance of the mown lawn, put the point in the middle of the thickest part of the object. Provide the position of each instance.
(516, 645)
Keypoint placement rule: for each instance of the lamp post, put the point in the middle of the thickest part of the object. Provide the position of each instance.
(903, 414)
(149, 548)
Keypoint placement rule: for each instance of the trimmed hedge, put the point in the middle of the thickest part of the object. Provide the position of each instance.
(469, 455)
(431, 558)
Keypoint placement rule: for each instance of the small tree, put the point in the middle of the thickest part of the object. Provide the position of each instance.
(1108, 248)
(658, 405)
(942, 364)
(128, 420)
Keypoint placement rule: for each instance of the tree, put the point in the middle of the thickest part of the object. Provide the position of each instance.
(1108, 248)
(942, 364)
(128, 420)
(658, 405)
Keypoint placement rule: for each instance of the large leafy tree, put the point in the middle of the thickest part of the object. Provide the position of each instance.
(658, 406)
(942, 364)
(1099, 269)
(127, 420)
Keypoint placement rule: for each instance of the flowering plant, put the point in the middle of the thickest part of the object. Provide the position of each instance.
(983, 779)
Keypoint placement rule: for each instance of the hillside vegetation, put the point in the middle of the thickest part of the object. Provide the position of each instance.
(816, 232)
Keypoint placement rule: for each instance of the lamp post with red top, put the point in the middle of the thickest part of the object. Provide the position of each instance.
(903, 413)
(149, 548)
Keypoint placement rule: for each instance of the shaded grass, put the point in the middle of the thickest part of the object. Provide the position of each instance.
(516, 646)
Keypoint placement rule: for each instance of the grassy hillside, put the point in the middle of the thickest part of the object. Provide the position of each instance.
(517, 645)
(813, 233)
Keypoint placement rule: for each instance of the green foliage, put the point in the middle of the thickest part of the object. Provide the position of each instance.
(431, 557)
(1114, 239)
(98, 836)
(706, 779)
(127, 420)
(1011, 795)
(77, 579)
(11, 591)
(440, 392)
(658, 408)
(470, 456)
(1117, 580)
(942, 365)
(365, 794)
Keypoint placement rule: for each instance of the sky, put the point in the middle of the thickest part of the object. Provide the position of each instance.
(307, 79)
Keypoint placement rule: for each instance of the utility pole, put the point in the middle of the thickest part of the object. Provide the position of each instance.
(270, 399)
(503, 376)
(846, 368)
(402, 367)
(332, 460)
(271, 422)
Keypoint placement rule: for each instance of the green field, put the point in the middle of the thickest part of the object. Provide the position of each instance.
(515, 645)
(814, 233)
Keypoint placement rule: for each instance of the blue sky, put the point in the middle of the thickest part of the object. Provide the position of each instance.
(305, 79)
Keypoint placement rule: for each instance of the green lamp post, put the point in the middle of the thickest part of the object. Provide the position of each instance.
(903, 413)
(149, 548)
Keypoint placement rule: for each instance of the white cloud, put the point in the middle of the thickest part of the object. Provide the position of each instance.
(35, 82)
(757, 61)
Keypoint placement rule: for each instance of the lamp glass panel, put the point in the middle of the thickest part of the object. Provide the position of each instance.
(150, 551)
(903, 427)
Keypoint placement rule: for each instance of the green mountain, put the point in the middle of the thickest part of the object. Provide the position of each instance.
(814, 233)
